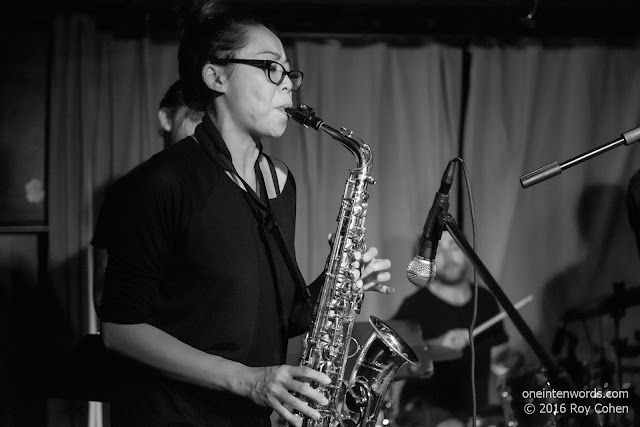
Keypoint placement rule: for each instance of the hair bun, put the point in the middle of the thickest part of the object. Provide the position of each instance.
(196, 13)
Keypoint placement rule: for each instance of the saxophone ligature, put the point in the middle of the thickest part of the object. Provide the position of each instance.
(356, 400)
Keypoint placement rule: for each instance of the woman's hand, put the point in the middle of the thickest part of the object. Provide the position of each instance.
(374, 272)
(273, 386)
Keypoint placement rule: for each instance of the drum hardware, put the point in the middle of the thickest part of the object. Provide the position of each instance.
(631, 369)
(614, 304)
(626, 350)
(577, 369)
(514, 400)
(427, 354)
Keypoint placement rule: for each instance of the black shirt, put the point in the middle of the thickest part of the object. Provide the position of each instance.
(189, 254)
(450, 386)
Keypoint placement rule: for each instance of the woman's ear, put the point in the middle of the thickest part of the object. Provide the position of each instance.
(213, 77)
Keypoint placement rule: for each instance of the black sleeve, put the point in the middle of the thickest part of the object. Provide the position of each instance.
(143, 223)
(101, 232)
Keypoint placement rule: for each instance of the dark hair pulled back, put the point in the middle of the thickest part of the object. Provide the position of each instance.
(210, 30)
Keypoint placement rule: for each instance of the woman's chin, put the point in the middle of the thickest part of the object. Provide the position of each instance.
(277, 131)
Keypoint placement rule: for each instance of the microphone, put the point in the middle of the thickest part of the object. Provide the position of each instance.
(422, 269)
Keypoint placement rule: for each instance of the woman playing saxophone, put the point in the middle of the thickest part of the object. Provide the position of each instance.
(198, 291)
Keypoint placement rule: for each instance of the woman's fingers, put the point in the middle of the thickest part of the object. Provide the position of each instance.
(311, 374)
(279, 384)
(374, 272)
(304, 390)
(300, 406)
(376, 265)
(308, 391)
(378, 287)
(370, 254)
(285, 413)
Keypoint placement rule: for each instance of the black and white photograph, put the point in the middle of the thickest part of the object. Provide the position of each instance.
(320, 213)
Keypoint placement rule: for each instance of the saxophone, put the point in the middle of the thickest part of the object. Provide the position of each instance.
(357, 400)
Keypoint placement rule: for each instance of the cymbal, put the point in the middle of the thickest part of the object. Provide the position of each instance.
(427, 353)
(607, 304)
(437, 353)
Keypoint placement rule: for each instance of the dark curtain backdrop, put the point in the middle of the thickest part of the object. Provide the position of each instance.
(104, 98)
(565, 241)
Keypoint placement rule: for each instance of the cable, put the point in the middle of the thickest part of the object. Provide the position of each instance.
(475, 292)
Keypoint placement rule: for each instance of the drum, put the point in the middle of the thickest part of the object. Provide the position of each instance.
(521, 406)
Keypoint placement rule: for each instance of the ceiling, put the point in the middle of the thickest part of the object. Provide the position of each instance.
(592, 18)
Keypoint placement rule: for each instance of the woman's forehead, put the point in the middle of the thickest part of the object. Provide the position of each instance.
(263, 43)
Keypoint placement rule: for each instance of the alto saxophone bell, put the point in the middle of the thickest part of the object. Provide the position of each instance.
(380, 358)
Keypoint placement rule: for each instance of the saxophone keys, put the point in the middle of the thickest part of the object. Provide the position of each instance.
(346, 132)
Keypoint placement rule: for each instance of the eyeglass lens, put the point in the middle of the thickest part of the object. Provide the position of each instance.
(277, 73)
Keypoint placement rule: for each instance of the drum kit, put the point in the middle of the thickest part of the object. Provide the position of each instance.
(516, 388)
(593, 379)
(604, 371)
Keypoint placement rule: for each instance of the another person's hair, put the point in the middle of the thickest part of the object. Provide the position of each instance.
(210, 30)
(171, 103)
(173, 98)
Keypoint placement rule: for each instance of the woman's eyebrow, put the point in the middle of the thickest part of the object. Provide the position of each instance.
(274, 54)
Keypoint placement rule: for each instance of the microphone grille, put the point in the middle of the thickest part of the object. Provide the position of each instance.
(421, 272)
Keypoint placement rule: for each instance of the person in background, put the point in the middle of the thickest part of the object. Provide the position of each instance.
(176, 119)
(202, 288)
(444, 312)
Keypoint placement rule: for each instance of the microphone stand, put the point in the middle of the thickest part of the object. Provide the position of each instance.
(553, 169)
(555, 374)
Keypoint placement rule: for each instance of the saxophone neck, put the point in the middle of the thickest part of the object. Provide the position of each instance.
(306, 116)
(351, 142)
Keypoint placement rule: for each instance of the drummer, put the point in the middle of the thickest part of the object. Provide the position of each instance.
(444, 311)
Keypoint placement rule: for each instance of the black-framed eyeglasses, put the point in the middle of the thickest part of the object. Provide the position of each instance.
(275, 71)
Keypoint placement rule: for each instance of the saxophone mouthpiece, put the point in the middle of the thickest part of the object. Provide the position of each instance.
(421, 272)
(304, 115)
